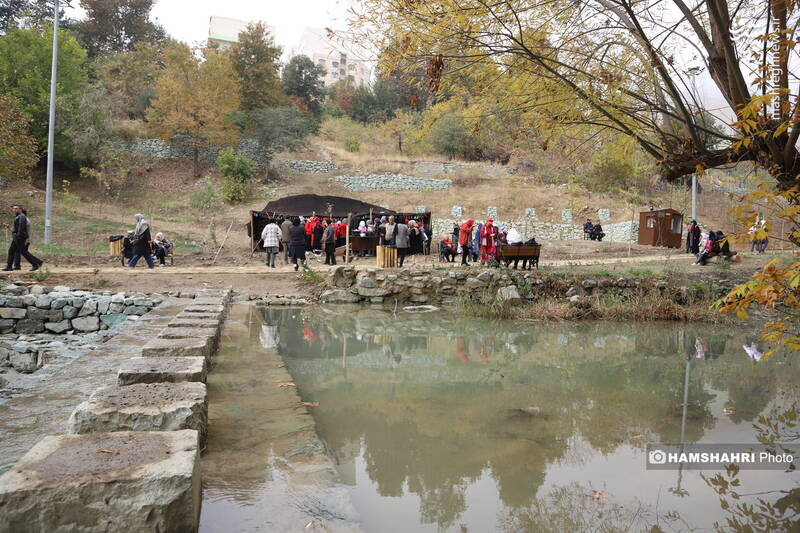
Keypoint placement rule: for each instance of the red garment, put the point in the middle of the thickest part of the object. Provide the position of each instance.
(341, 231)
(462, 349)
(488, 240)
(464, 232)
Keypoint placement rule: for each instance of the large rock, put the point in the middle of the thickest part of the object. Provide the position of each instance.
(509, 295)
(188, 333)
(162, 370)
(135, 310)
(58, 327)
(14, 301)
(113, 319)
(194, 347)
(45, 315)
(29, 327)
(89, 308)
(7, 325)
(24, 362)
(200, 316)
(143, 407)
(103, 303)
(370, 292)
(13, 312)
(338, 296)
(128, 481)
(86, 323)
(43, 301)
(60, 303)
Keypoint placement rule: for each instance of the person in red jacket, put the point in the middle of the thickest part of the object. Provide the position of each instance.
(309, 227)
(464, 234)
(488, 240)
(341, 233)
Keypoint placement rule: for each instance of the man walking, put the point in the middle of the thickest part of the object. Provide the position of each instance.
(271, 236)
(20, 241)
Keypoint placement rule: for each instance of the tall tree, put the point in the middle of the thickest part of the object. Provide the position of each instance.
(33, 12)
(25, 59)
(256, 60)
(303, 79)
(118, 25)
(130, 77)
(195, 99)
(18, 149)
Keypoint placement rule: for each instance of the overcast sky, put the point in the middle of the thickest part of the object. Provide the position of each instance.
(187, 20)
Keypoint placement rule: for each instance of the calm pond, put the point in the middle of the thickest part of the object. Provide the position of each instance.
(422, 414)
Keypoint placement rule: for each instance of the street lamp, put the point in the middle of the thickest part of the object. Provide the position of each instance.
(51, 133)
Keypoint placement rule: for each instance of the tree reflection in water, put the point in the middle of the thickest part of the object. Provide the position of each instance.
(430, 403)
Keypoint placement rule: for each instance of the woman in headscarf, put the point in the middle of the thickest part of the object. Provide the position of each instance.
(464, 237)
(161, 247)
(142, 246)
(271, 238)
(329, 242)
(488, 240)
(318, 230)
(297, 243)
(362, 232)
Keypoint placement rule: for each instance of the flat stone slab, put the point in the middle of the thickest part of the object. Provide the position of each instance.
(143, 407)
(198, 308)
(194, 347)
(211, 300)
(194, 323)
(188, 333)
(162, 370)
(124, 481)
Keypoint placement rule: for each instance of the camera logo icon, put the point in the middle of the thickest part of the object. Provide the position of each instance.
(657, 457)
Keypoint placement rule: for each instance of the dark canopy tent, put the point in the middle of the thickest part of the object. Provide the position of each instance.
(310, 204)
(307, 205)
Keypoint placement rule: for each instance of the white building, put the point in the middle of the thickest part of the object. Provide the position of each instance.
(340, 59)
(224, 31)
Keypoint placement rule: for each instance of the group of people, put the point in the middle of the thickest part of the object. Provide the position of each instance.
(409, 237)
(705, 243)
(21, 230)
(138, 244)
(479, 241)
(758, 235)
(296, 236)
(592, 232)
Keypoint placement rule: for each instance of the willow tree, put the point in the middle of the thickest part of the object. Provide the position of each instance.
(629, 66)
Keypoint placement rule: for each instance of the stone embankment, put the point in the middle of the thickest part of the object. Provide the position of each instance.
(62, 310)
(627, 231)
(392, 182)
(306, 166)
(449, 287)
(130, 460)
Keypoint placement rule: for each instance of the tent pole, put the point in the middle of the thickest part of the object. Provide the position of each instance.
(347, 242)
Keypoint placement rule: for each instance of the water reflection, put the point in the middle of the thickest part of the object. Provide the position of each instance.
(423, 414)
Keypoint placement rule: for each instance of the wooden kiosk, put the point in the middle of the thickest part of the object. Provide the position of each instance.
(661, 227)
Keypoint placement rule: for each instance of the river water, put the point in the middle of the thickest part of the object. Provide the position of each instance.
(442, 423)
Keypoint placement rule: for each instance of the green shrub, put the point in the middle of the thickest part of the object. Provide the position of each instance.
(233, 191)
(207, 197)
(239, 170)
(351, 144)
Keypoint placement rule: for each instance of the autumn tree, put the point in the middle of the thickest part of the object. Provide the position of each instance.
(18, 149)
(36, 13)
(195, 99)
(343, 94)
(256, 59)
(130, 77)
(303, 79)
(118, 25)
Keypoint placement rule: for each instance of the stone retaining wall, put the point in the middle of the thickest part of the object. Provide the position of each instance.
(433, 168)
(392, 182)
(306, 166)
(180, 149)
(448, 287)
(62, 310)
(547, 231)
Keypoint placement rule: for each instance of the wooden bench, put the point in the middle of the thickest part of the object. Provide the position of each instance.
(512, 252)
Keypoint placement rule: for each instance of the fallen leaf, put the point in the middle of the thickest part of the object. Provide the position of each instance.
(728, 410)
(310, 404)
(103, 450)
(287, 384)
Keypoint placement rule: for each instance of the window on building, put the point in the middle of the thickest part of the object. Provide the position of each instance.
(321, 62)
(342, 71)
(651, 222)
(335, 64)
(343, 59)
(351, 67)
(677, 224)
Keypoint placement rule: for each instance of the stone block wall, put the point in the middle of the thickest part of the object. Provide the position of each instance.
(433, 168)
(306, 166)
(447, 287)
(392, 182)
(548, 231)
(60, 309)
